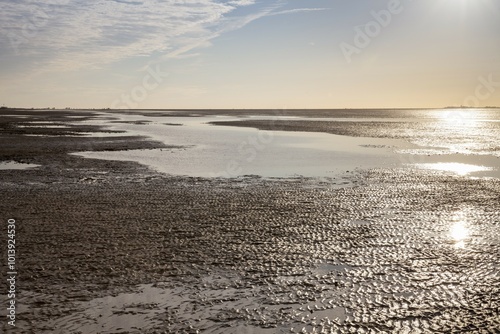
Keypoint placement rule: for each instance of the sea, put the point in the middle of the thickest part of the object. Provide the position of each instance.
(457, 141)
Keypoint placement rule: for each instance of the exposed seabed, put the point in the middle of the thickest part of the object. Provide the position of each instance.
(116, 247)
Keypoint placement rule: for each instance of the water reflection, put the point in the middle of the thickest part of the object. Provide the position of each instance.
(459, 230)
(456, 167)
(15, 165)
(458, 117)
(225, 151)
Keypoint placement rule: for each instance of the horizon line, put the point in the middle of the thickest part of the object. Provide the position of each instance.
(245, 109)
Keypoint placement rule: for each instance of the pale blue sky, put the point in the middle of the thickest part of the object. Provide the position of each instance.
(249, 54)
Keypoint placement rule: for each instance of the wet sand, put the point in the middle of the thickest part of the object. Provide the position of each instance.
(115, 247)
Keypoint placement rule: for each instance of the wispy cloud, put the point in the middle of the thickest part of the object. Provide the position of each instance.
(66, 35)
(224, 26)
(298, 10)
(72, 34)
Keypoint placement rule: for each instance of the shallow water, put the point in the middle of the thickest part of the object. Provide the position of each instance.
(224, 151)
(16, 165)
(456, 167)
(42, 125)
(220, 151)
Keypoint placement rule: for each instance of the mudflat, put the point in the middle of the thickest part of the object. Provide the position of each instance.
(115, 247)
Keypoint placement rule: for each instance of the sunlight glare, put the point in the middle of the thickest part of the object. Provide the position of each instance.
(455, 167)
(459, 232)
(458, 117)
(463, 4)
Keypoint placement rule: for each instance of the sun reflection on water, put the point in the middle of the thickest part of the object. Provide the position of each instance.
(456, 167)
(458, 117)
(459, 232)
(459, 229)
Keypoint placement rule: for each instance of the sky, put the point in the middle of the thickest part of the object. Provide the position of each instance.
(178, 54)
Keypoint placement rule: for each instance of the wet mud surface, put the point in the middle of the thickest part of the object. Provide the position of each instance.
(113, 247)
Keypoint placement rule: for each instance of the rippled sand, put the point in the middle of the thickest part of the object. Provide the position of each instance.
(114, 247)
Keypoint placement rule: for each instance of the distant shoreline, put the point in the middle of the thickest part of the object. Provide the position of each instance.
(245, 109)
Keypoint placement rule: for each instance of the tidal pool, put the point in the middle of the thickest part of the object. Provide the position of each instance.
(435, 141)
(222, 151)
(5, 165)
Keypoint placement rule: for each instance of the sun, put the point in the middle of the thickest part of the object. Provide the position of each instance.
(464, 9)
(465, 5)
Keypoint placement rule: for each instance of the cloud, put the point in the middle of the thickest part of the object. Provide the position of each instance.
(225, 26)
(241, 2)
(298, 10)
(73, 34)
(69, 35)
